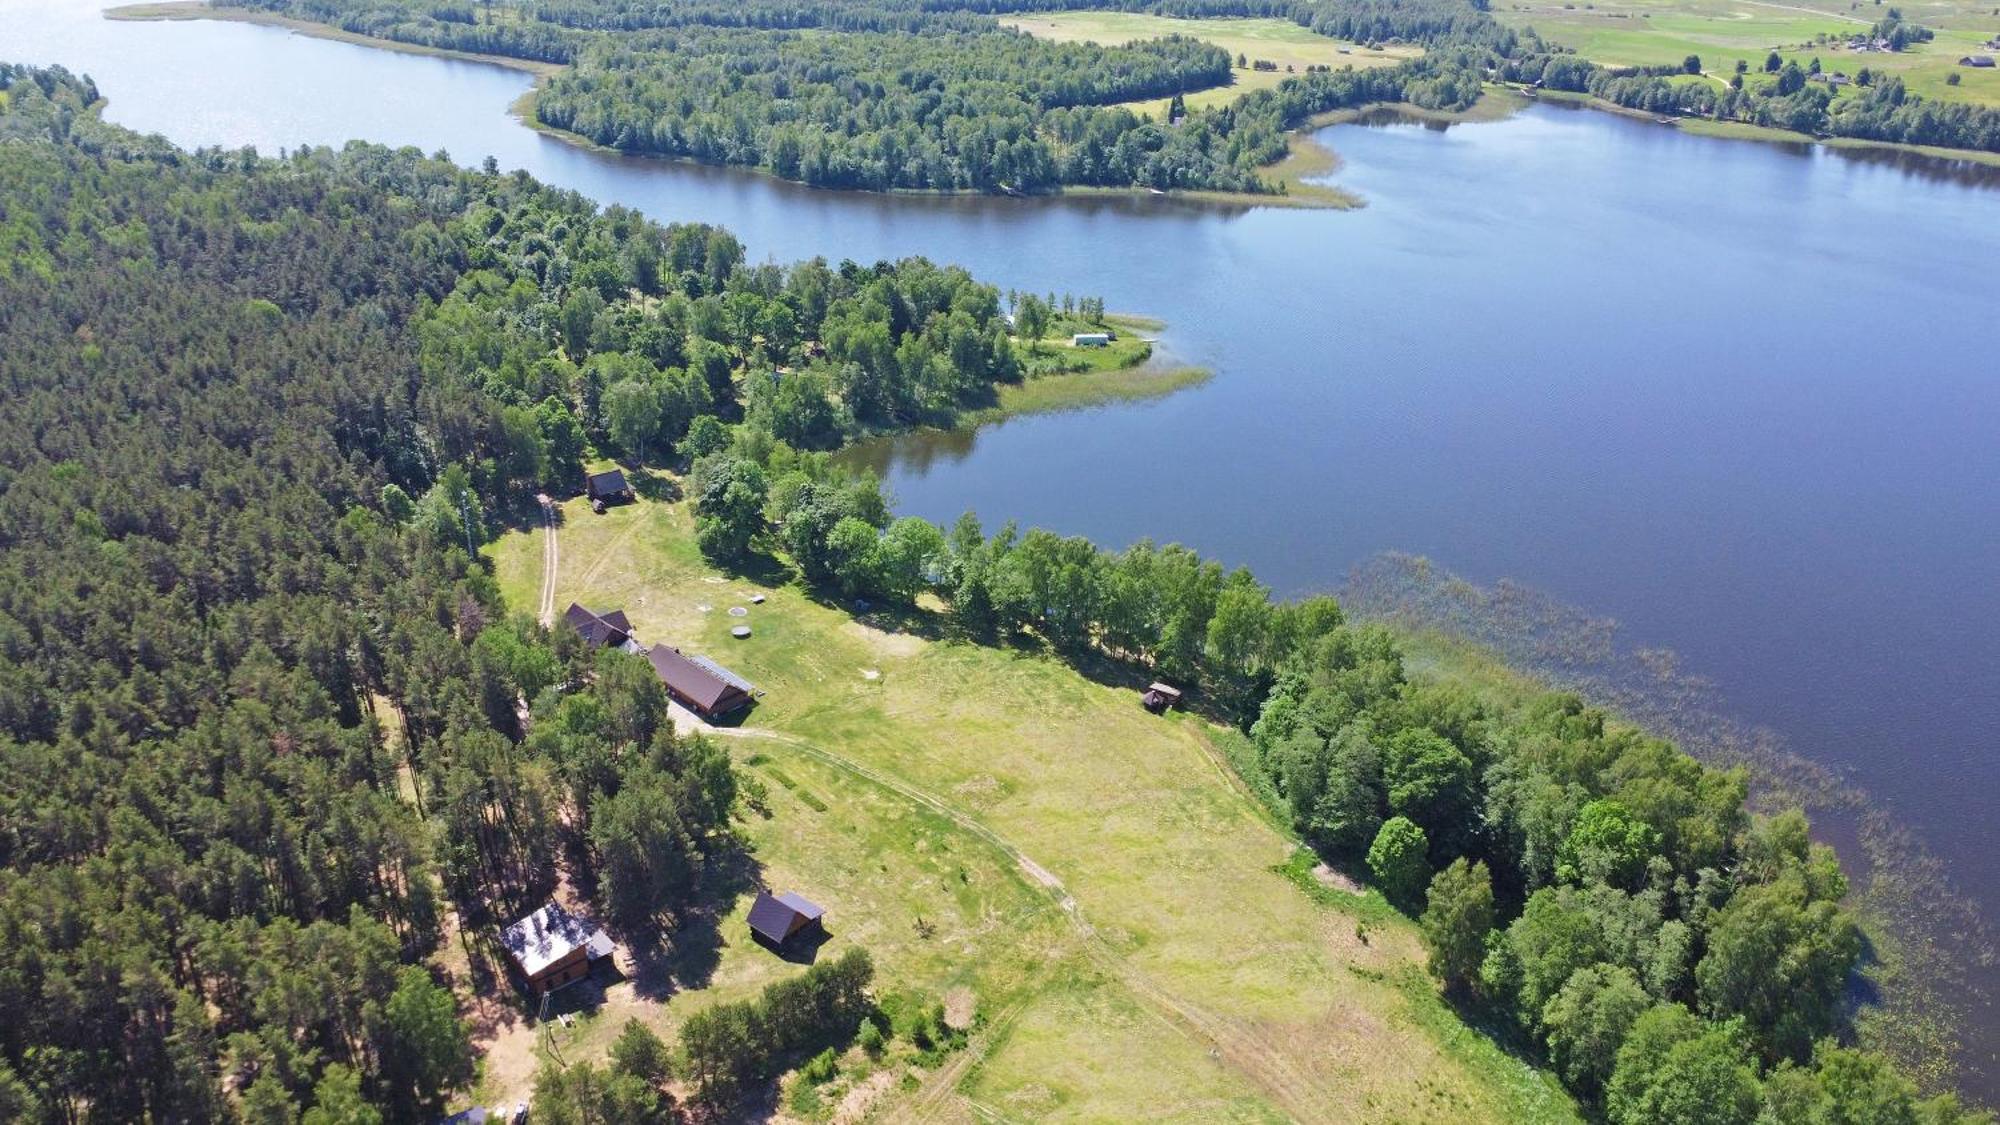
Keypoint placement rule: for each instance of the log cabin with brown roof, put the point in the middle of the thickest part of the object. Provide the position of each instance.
(698, 684)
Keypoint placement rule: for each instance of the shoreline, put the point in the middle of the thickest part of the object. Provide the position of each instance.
(1147, 378)
(1712, 129)
(175, 10)
(1289, 171)
(1305, 156)
(1321, 197)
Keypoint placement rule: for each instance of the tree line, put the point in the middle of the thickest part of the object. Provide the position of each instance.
(886, 94)
(270, 731)
(894, 94)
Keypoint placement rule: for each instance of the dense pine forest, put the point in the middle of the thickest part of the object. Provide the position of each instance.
(894, 94)
(273, 738)
(260, 711)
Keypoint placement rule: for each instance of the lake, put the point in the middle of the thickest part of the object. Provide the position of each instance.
(1741, 397)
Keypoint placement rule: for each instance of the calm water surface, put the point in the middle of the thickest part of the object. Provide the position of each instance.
(1742, 397)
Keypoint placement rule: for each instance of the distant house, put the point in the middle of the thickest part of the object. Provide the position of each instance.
(777, 919)
(553, 947)
(1839, 80)
(699, 684)
(1161, 697)
(607, 486)
(1981, 61)
(602, 630)
(1090, 340)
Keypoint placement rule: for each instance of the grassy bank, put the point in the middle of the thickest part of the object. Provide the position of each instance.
(1054, 393)
(1066, 377)
(198, 10)
(991, 820)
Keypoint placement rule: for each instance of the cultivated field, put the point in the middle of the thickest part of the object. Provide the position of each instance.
(995, 827)
(1278, 41)
(1662, 32)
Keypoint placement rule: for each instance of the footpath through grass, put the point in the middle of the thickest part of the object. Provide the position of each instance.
(992, 822)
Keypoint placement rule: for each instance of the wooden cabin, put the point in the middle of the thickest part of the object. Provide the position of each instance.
(611, 629)
(778, 919)
(607, 487)
(698, 683)
(1160, 698)
(553, 947)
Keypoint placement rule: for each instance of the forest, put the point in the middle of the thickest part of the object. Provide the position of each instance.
(274, 738)
(896, 94)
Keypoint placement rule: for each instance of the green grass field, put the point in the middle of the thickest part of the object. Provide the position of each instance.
(996, 824)
(1279, 41)
(1662, 32)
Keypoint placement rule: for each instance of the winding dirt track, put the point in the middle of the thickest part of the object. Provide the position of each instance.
(1244, 1048)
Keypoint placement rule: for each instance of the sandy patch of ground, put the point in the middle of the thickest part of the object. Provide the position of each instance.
(854, 1106)
(960, 1005)
(980, 790)
(1338, 880)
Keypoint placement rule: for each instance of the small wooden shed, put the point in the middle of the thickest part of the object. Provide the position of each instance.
(1161, 697)
(608, 486)
(778, 919)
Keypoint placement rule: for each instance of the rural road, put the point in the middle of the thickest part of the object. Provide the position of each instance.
(551, 557)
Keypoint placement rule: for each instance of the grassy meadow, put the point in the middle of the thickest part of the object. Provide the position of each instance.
(1663, 32)
(1279, 41)
(1001, 830)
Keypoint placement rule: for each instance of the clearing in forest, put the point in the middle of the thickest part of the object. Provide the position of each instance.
(1279, 42)
(993, 826)
(1665, 32)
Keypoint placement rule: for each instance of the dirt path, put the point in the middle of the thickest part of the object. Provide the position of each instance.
(1301, 1093)
(551, 559)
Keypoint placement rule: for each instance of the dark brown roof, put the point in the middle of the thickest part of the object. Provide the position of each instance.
(610, 482)
(777, 917)
(606, 630)
(695, 685)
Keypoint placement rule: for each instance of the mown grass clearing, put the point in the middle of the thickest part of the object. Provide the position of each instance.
(1150, 959)
(1280, 42)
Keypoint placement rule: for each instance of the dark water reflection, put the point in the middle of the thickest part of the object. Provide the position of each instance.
(1742, 396)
